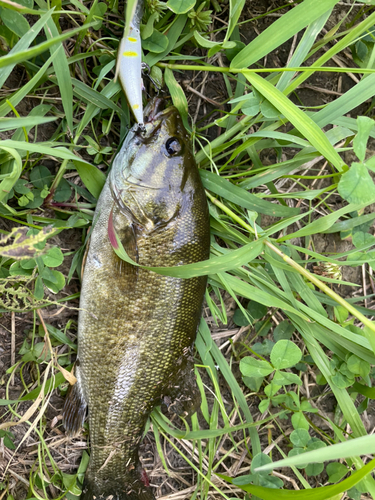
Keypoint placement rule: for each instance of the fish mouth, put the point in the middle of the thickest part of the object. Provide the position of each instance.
(154, 114)
(139, 136)
(155, 110)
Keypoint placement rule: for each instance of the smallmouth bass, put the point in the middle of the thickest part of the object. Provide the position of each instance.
(135, 326)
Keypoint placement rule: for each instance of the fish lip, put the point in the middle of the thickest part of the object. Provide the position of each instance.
(154, 111)
(164, 113)
(145, 135)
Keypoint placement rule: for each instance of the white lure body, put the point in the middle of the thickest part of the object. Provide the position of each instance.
(129, 63)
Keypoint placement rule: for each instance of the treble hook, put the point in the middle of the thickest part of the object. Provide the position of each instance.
(146, 71)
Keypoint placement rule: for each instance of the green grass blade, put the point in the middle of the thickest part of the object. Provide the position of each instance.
(349, 224)
(29, 121)
(342, 344)
(368, 392)
(240, 85)
(217, 355)
(324, 223)
(239, 128)
(92, 177)
(39, 147)
(15, 167)
(61, 67)
(355, 96)
(272, 134)
(303, 48)
(343, 399)
(243, 198)
(173, 35)
(281, 30)
(346, 404)
(343, 332)
(298, 118)
(253, 293)
(94, 97)
(352, 36)
(24, 43)
(178, 96)
(25, 55)
(350, 123)
(275, 171)
(235, 9)
(51, 384)
(319, 257)
(231, 260)
(204, 478)
(320, 493)
(11, 5)
(131, 6)
(207, 433)
(158, 442)
(110, 90)
(23, 91)
(86, 24)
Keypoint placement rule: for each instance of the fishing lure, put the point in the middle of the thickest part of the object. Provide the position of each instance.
(129, 64)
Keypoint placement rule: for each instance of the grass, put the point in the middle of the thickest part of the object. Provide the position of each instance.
(286, 347)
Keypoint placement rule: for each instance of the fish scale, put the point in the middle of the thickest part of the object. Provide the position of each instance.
(135, 326)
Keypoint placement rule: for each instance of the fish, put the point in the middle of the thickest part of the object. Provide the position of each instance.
(137, 327)
(129, 63)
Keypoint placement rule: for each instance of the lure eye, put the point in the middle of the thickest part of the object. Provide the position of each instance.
(173, 146)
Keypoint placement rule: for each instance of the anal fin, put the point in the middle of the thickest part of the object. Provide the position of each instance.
(182, 396)
(74, 410)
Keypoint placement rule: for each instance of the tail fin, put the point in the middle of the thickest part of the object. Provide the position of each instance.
(115, 491)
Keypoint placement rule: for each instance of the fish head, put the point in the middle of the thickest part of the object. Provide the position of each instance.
(154, 169)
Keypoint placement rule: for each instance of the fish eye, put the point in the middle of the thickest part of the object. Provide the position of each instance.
(173, 146)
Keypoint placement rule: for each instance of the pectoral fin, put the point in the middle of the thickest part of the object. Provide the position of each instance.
(74, 410)
(129, 242)
(120, 225)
